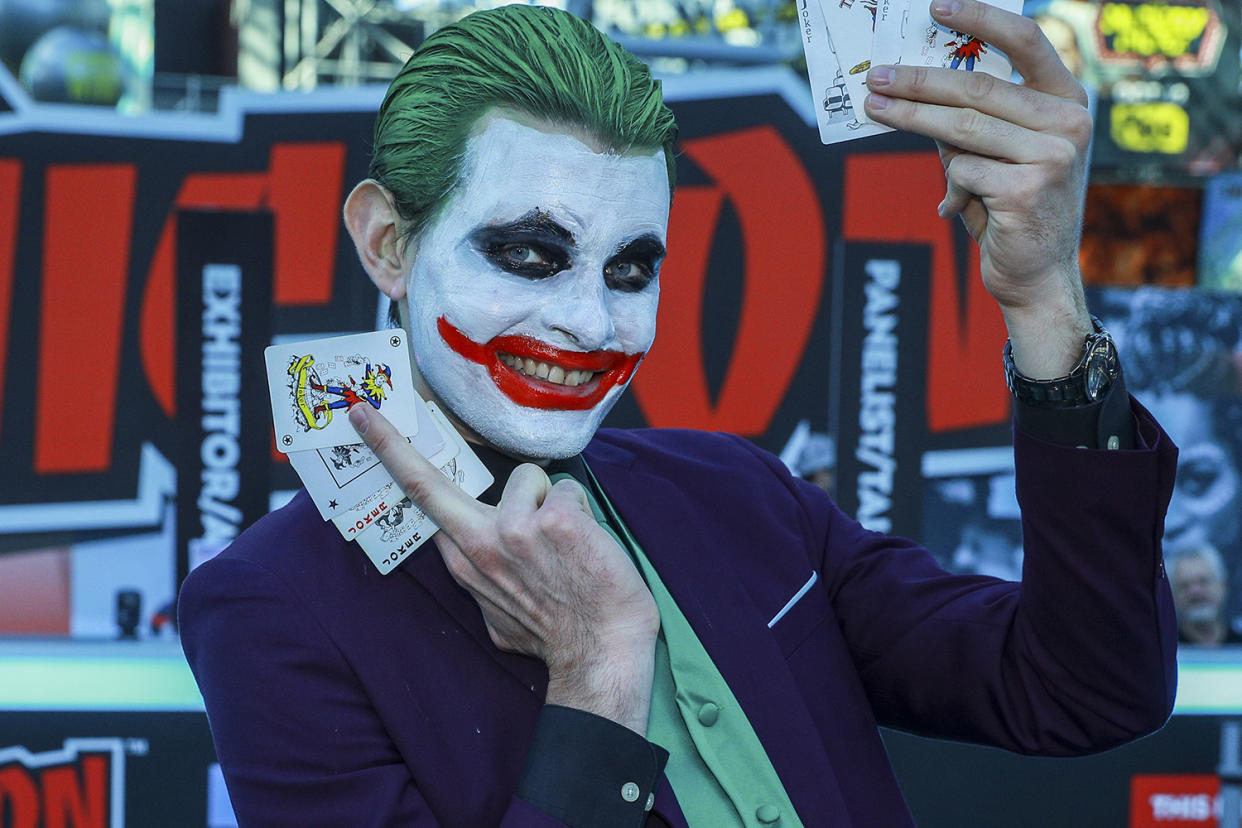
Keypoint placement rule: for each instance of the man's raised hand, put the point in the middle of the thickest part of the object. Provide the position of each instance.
(1015, 159)
(551, 583)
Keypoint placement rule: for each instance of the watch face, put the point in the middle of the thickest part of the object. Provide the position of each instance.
(1101, 367)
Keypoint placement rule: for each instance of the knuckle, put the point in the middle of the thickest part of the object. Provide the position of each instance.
(415, 487)
(967, 122)
(1080, 97)
(918, 79)
(1028, 34)
(979, 86)
(1079, 126)
(512, 530)
(1064, 154)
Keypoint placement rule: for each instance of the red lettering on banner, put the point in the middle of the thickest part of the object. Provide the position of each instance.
(302, 187)
(305, 194)
(10, 209)
(70, 801)
(87, 227)
(157, 322)
(892, 197)
(1174, 800)
(19, 794)
(783, 276)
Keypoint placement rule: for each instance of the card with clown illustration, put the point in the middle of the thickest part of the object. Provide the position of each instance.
(338, 488)
(313, 385)
(851, 25)
(928, 43)
(837, 112)
(891, 20)
(403, 527)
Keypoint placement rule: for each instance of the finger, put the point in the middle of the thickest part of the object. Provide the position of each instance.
(1021, 105)
(955, 200)
(570, 492)
(968, 129)
(999, 183)
(1018, 37)
(526, 489)
(452, 509)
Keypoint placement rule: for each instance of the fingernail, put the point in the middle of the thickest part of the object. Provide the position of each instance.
(878, 102)
(880, 76)
(947, 6)
(359, 418)
(940, 208)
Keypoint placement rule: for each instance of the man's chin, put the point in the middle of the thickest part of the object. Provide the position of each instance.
(537, 444)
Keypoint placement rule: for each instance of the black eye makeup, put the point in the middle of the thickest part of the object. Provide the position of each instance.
(533, 246)
(635, 264)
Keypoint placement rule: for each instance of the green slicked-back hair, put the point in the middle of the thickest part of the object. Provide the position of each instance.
(537, 60)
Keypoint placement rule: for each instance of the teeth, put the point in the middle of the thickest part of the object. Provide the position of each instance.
(551, 373)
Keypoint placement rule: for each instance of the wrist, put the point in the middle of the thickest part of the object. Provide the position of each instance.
(612, 682)
(1047, 338)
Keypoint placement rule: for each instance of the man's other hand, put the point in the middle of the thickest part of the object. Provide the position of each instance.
(1015, 157)
(551, 583)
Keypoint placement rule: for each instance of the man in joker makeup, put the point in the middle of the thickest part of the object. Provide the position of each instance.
(664, 627)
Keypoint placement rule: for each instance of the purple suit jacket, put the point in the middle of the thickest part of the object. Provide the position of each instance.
(338, 696)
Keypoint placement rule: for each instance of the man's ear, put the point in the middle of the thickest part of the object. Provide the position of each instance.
(373, 223)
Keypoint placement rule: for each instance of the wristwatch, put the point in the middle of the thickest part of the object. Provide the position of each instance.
(1087, 382)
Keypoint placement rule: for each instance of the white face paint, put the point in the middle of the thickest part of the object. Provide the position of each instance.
(533, 295)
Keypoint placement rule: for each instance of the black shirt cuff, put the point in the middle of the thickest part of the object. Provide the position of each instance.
(586, 770)
(1092, 426)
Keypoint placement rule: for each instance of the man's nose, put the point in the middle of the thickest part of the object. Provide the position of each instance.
(581, 313)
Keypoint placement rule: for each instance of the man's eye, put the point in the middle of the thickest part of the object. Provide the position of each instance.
(526, 259)
(627, 275)
(522, 255)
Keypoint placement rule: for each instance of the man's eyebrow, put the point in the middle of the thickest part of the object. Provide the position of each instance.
(647, 246)
(535, 222)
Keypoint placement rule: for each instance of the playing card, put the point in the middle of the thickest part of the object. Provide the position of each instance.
(359, 516)
(470, 475)
(834, 108)
(313, 384)
(851, 27)
(891, 17)
(404, 527)
(928, 43)
(339, 478)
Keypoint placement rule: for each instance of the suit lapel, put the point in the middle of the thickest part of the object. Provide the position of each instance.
(666, 522)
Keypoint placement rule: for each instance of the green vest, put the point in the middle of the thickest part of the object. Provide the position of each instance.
(717, 766)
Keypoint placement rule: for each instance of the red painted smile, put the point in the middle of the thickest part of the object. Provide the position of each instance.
(535, 374)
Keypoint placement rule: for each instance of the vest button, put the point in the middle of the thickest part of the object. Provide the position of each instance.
(708, 714)
(768, 814)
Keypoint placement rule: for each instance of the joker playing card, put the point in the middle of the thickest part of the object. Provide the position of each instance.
(313, 385)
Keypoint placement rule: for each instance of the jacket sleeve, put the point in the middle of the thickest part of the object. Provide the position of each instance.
(298, 740)
(1078, 657)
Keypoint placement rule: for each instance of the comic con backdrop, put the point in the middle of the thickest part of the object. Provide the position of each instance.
(144, 263)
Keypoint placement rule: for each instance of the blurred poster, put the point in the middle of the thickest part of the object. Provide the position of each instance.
(1182, 355)
(971, 522)
(1167, 78)
(1220, 237)
(1140, 234)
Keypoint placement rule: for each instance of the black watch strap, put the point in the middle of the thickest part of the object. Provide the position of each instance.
(1086, 383)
